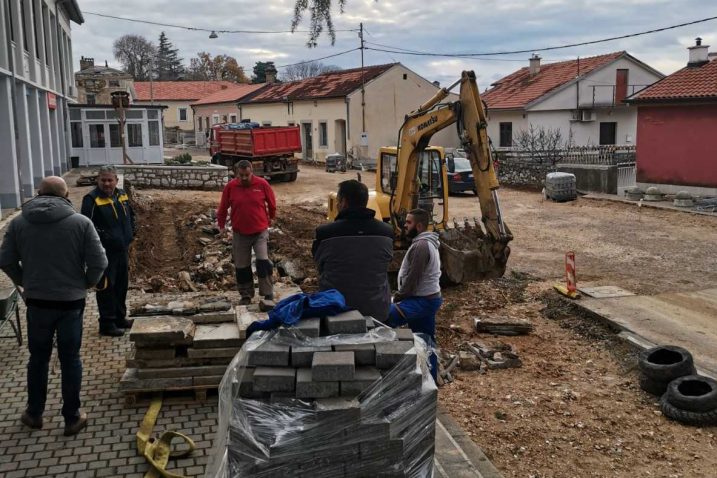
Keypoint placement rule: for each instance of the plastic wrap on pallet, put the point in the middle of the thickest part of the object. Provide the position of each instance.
(387, 430)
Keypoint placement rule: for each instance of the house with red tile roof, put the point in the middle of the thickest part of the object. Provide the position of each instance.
(219, 107)
(177, 96)
(676, 126)
(583, 98)
(336, 117)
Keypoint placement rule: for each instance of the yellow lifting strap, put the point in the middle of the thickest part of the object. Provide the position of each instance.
(158, 451)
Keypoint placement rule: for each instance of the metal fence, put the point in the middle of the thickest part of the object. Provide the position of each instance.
(606, 155)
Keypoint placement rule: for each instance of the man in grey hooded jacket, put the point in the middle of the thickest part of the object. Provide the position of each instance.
(54, 255)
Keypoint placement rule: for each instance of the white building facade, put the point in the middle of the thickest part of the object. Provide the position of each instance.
(36, 85)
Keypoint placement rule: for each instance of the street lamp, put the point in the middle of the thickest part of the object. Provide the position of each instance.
(213, 35)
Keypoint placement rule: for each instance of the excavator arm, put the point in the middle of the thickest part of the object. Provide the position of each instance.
(467, 253)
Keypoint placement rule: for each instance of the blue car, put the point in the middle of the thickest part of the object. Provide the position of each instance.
(460, 174)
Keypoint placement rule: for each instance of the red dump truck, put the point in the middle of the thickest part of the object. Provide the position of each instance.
(270, 149)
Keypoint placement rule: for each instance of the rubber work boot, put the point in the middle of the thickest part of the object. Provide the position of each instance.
(74, 428)
(110, 329)
(269, 297)
(30, 421)
(245, 301)
(124, 323)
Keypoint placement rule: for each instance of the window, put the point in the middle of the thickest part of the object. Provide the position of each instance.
(134, 135)
(23, 18)
(46, 29)
(76, 132)
(10, 16)
(388, 172)
(91, 99)
(134, 114)
(152, 114)
(34, 30)
(75, 114)
(608, 132)
(323, 134)
(154, 133)
(233, 118)
(115, 140)
(506, 135)
(114, 83)
(95, 114)
(199, 123)
(206, 121)
(182, 114)
(97, 136)
(224, 118)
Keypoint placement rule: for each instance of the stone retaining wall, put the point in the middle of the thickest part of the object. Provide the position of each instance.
(513, 172)
(210, 177)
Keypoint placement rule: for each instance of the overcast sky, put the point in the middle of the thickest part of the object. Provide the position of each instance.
(444, 26)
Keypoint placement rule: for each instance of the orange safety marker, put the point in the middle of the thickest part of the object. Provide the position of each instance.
(571, 290)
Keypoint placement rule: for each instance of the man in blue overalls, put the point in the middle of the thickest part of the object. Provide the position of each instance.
(419, 291)
(109, 209)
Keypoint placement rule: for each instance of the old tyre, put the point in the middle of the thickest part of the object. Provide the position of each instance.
(693, 393)
(700, 419)
(666, 363)
(653, 386)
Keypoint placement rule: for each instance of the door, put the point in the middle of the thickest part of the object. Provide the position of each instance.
(97, 144)
(340, 141)
(308, 141)
(620, 85)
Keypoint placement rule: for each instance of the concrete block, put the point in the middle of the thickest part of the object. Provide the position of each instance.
(308, 388)
(351, 322)
(333, 366)
(304, 356)
(364, 354)
(162, 330)
(404, 334)
(364, 377)
(245, 387)
(217, 336)
(347, 410)
(389, 354)
(271, 355)
(370, 324)
(274, 379)
(227, 352)
(308, 327)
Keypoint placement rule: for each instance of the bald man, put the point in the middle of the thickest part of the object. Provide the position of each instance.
(54, 254)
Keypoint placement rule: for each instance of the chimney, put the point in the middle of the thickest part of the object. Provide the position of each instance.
(106, 65)
(698, 53)
(86, 62)
(270, 73)
(437, 84)
(534, 65)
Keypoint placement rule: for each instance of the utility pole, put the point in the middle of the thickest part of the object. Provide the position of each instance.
(363, 84)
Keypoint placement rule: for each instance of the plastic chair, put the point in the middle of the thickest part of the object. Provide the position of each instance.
(8, 308)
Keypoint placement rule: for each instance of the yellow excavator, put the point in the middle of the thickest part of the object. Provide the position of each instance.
(414, 175)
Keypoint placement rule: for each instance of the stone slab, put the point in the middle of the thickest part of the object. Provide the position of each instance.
(364, 377)
(333, 366)
(162, 330)
(274, 379)
(133, 362)
(155, 353)
(131, 383)
(270, 355)
(207, 380)
(308, 388)
(604, 292)
(364, 354)
(351, 322)
(213, 317)
(388, 354)
(282, 291)
(217, 336)
(304, 356)
(179, 372)
(229, 352)
(244, 318)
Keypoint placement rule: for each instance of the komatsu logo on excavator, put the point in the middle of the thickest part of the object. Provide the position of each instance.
(426, 124)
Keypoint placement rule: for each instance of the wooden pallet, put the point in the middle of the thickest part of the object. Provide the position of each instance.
(188, 396)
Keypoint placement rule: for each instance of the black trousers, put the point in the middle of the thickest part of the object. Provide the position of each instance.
(112, 289)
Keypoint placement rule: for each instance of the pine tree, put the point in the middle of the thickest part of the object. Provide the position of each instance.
(168, 65)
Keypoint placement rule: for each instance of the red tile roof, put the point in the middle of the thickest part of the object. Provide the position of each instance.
(327, 85)
(519, 89)
(689, 83)
(230, 95)
(179, 90)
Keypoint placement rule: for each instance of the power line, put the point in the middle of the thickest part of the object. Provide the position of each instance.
(404, 50)
(319, 59)
(533, 50)
(200, 29)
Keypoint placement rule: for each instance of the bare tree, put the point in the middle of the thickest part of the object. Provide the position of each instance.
(320, 18)
(542, 144)
(307, 69)
(135, 53)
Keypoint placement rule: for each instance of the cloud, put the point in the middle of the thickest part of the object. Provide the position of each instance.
(454, 26)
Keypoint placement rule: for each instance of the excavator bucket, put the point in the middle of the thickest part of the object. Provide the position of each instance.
(468, 254)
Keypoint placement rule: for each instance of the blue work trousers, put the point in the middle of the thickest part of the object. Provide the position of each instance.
(419, 313)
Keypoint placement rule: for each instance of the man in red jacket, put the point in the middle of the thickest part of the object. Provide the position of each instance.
(253, 207)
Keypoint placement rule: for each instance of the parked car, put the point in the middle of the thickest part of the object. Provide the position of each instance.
(460, 173)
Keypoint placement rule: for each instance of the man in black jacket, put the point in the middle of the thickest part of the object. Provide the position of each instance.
(109, 209)
(353, 253)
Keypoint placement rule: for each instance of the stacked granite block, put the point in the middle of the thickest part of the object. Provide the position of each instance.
(348, 401)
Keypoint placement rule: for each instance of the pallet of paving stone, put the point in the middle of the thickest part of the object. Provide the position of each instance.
(352, 401)
(193, 396)
(194, 383)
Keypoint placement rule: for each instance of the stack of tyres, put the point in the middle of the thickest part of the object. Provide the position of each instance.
(560, 187)
(691, 400)
(661, 365)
